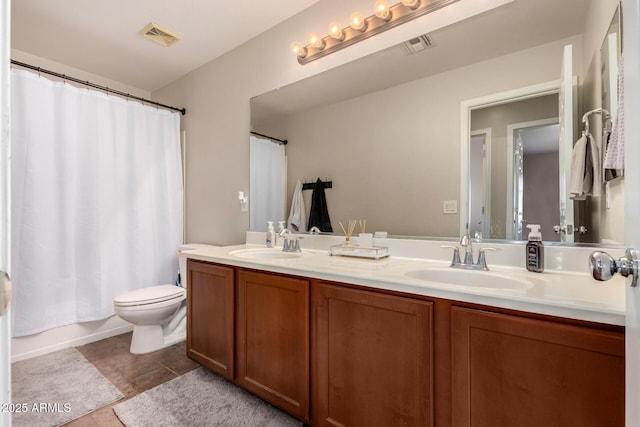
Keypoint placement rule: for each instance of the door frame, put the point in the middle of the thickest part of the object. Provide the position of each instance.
(5, 201)
(466, 107)
(486, 180)
(631, 43)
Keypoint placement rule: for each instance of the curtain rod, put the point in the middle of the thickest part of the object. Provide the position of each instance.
(95, 86)
(282, 141)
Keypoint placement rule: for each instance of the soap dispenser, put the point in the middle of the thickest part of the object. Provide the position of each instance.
(271, 235)
(535, 249)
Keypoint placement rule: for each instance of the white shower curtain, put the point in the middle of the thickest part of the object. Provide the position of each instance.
(96, 201)
(267, 183)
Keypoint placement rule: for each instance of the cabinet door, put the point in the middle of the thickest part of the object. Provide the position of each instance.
(210, 304)
(512, 371)
(273, 339)
(373, 359)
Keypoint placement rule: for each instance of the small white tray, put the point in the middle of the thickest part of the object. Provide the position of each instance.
(373, 252)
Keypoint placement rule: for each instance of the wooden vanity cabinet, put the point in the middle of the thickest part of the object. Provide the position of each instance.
(334, 354)
(516, 371)
(210, 316)
(273, 339)
(373, 358)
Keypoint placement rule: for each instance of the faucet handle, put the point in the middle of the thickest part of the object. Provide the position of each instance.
(482, 260)
(456, 254)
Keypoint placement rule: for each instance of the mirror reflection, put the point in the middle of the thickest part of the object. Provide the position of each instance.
(387, 130)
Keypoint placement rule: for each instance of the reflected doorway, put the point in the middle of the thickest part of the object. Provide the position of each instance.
(535, 170)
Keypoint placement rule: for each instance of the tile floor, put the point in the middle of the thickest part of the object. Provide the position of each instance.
(131, 374)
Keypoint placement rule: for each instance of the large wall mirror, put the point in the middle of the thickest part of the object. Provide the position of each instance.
(387, 129)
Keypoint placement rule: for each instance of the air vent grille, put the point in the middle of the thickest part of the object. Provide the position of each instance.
(159, 35)
(417, 44)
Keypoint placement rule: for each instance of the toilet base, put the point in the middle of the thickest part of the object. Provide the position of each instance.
(149, 338)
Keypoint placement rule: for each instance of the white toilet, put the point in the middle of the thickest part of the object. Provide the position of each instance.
(158, 313)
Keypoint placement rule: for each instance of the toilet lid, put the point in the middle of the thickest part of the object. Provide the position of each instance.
(150, 295)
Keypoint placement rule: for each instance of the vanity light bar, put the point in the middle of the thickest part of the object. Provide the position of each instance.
(360, 28)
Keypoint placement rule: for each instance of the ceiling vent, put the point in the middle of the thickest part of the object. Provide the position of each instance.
(159, 35)
(417, 44)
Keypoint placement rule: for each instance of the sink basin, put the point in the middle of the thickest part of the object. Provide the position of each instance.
(481, 279)
(267, 253)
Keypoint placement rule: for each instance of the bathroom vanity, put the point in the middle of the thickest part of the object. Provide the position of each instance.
(336, 341)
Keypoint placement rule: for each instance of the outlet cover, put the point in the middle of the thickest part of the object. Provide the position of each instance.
(450, 206)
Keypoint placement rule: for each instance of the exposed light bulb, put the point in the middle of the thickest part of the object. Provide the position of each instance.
(381, 9)
(357, 22)
(298, 50)
(413, 4)
(335, 31)
(316, 41)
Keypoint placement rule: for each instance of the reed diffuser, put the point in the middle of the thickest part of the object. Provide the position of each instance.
(349, 232)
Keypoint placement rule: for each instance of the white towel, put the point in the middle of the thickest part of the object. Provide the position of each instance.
(582, 168)
(297, 216)
(614, 156)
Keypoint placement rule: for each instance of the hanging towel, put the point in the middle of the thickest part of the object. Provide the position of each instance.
(319, 214)
(581, 182)
(297, 216)
(614, 156)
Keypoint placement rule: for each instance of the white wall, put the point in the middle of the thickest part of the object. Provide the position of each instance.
(57, 67)
(217, 100)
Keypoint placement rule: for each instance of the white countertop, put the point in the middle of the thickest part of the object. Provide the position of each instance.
(558, 293)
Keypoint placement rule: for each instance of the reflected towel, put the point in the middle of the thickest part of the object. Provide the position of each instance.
(319, 215)
(582, 178)
(297, 216)
(614, 156)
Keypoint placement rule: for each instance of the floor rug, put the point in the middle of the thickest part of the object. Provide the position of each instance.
(200, 398)
(56, 388)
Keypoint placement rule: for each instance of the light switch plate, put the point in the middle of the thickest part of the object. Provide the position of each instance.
(450, 207)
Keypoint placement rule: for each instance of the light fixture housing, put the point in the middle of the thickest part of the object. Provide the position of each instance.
(361, 28)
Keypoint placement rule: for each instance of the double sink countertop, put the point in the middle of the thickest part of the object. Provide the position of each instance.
(570, 294)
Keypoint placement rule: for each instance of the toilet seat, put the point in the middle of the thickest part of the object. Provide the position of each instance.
(150, 295)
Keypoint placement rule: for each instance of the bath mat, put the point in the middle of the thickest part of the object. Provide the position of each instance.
(56, 388)
(200, 398)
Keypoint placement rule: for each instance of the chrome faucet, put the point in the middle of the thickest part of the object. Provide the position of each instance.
(468, 264)
(314, 230)
(289, 244)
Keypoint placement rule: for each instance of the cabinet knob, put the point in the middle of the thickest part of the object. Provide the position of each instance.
(603, 266)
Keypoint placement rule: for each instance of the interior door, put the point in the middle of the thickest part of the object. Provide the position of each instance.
(5, 363)
(631, 46)
(567, 122)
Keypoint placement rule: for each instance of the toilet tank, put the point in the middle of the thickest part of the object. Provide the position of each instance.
(182, 260)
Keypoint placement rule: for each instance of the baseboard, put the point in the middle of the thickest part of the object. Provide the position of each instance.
(78, 334)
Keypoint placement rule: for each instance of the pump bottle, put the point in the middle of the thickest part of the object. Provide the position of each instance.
(535, 249)
(271, 235)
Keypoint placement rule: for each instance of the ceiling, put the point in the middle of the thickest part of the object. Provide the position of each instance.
(102, 36)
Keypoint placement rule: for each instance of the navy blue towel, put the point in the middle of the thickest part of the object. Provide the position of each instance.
(319, 214)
